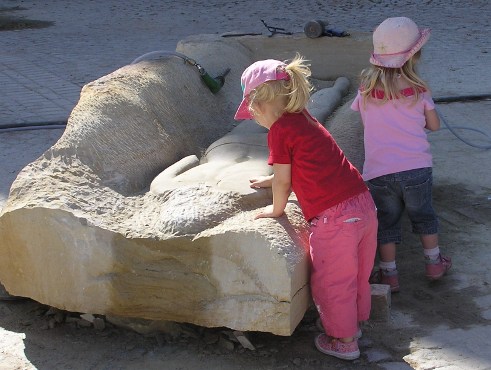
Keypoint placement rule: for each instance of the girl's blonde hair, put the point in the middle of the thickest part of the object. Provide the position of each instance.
(295, 91)
(385, 79)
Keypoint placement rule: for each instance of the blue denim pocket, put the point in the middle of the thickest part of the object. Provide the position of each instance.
(417, 193)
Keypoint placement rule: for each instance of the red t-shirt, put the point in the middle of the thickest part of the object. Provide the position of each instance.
(321, 175)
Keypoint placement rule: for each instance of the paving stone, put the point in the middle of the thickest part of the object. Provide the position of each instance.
(381, 302)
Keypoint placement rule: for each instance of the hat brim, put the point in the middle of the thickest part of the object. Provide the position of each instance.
(397, 60)
(243, 111)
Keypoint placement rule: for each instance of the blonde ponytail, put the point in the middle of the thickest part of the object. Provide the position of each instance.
(295, 91)
(299, 86)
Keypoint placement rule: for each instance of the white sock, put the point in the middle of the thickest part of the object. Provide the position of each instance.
(432, 253)
(387, 266)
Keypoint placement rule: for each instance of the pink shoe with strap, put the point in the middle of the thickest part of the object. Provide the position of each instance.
(435, 269)
(387, 278)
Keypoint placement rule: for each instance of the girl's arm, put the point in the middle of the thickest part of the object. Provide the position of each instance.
(281, 181)
(432, 120)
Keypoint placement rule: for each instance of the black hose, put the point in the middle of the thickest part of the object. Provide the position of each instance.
(213, 83)
(32, 126)
(447, 99)
(461, 98)
(452, 130)
(164, 53)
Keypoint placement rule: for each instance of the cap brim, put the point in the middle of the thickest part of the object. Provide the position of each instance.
(243, 111)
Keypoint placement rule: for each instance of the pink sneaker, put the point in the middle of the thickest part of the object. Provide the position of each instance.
(388, 278)
(334, 347)
(436, 269)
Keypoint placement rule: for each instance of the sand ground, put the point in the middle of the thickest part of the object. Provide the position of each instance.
(443, 325)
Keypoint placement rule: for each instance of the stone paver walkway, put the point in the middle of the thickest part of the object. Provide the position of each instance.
(43, 69)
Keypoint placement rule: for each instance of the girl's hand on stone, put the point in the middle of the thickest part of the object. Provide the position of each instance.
(261, 182)
(268, 212)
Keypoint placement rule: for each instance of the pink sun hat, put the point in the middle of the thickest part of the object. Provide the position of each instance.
(255, 75)
(396, 40)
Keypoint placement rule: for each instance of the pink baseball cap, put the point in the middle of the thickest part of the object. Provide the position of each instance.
(255, 75)
(396, 40)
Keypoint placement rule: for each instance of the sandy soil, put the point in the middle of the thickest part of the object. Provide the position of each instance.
(442, 325)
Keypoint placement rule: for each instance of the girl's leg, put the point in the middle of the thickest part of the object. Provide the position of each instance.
(387, 194)
(436, 265)
(418, 196)
(340, 273)
(343, 244)
(367, 248)
(387, 252)
(334, 289)
(429, 241)
(430, 246)
(334, 277)
(387, 273)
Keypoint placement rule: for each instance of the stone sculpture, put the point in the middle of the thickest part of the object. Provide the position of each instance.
(133, 213)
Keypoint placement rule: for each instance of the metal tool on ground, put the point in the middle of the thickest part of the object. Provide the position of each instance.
(317, 28)
(275, 30)
(213, 83)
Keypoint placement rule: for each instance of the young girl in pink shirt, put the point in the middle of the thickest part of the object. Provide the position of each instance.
(396, 108)
(332, 195)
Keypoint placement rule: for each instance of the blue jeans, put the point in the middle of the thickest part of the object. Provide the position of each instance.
(396, 192)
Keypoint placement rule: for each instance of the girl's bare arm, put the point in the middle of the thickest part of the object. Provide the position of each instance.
(432, 120)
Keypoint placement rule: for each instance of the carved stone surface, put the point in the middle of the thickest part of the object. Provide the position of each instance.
(142, 209)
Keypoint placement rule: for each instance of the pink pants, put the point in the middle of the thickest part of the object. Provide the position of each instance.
(343, 241)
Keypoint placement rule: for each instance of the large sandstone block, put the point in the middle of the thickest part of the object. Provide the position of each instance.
(142, 209)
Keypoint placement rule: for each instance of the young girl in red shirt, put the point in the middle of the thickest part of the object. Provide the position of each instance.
(331, 193)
